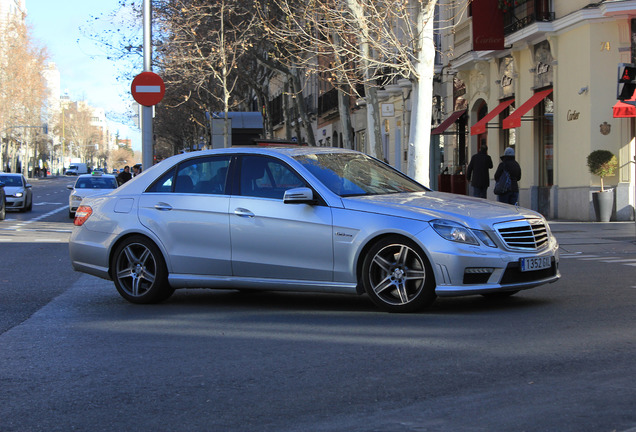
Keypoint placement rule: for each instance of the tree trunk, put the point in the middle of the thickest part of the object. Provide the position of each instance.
(345, 120)
(420, 133)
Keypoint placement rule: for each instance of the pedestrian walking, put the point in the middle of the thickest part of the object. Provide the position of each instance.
(510, 167)
(477, 172)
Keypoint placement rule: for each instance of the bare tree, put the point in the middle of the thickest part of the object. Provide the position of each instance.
(381, 41)
(80, 137)
(201, 44)
(22, 93)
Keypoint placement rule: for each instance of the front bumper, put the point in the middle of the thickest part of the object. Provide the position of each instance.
(15, 203)
(467, 270)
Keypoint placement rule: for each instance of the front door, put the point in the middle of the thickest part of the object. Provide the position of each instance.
(271, 239)
(545, 153)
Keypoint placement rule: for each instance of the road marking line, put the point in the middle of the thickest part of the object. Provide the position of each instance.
(609, 260)
(46, 215)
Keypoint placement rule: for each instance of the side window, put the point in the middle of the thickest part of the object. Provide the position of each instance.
(164, 184)
(267, 177)
(203, 175)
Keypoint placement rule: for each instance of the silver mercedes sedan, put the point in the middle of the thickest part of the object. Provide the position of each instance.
(306, 219)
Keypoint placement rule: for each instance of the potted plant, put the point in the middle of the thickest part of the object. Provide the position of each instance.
(602, 163)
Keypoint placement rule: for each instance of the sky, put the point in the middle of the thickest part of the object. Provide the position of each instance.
(85, 72)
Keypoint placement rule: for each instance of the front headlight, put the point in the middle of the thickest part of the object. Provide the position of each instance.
(19, 194)
(452, 231)
(76, 198)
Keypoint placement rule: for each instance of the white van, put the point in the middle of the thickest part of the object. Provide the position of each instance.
(77, 169)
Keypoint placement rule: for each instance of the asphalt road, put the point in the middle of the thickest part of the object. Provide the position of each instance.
(78, 357)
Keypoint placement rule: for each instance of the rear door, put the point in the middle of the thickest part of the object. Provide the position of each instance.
(187, 209)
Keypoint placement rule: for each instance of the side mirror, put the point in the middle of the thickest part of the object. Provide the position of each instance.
(301, 195)
(69, 187)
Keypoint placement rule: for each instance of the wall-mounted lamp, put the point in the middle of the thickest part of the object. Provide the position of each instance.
(584, 90)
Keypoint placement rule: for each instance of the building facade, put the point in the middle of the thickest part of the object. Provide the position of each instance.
(550, 93)
(544, 83)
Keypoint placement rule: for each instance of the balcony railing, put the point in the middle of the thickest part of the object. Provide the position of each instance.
(328, 101)
(525, 14)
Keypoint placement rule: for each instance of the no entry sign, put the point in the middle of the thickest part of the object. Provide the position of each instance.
(148, 88)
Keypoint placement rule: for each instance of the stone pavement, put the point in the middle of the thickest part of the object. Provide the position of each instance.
(595, 237)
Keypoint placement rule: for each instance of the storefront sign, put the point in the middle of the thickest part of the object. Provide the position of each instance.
(506, 74)
(573, 115)
(488, 25)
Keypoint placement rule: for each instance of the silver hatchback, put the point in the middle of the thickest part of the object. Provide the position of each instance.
(306, 219)
(18, 192)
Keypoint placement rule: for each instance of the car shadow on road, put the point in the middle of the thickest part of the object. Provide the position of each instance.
(277, 300)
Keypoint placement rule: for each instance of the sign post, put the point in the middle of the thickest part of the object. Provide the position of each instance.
(146, 110)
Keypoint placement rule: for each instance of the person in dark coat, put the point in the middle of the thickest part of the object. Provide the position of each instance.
(124, 176)
(477, 172)
(509, 164)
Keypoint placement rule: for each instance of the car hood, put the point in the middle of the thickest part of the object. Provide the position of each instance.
(473, 212)
(12, 190)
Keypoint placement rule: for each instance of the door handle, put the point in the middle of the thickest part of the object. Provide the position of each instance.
(163, 206)
(243, 212)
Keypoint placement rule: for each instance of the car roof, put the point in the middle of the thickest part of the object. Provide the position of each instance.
(11, 174)
(95, 176)
(287, 150)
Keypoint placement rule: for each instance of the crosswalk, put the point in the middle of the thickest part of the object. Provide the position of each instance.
(628, 260)
(15, 231)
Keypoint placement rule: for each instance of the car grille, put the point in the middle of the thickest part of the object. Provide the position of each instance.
(528, 234)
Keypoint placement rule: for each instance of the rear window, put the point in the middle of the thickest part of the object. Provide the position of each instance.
(96, 183)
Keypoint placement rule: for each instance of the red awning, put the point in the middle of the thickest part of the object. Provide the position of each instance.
(514, 119)
(625, 110)
(480, 126)
(446, 123)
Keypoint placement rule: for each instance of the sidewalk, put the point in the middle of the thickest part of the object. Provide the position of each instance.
(595, 237)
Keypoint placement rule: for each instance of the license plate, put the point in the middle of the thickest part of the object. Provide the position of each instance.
(535, 263)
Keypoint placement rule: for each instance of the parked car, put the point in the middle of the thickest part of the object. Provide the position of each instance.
(3, 205)
(89, 185)
(18, 193)
(306, 219)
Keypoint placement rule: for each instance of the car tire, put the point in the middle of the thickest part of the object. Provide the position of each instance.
(30, 206)
(3, 212)
(71, 215)
(397, 276)
(139, 271)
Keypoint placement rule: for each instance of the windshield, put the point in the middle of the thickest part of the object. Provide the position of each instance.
(96, 183)
(350, 174)
(11, 180)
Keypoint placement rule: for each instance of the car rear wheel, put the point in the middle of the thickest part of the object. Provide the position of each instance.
(139, 271)
(3, 211)
(397, 275)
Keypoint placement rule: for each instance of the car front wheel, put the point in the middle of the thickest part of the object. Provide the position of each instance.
(139, 271)
(397, 275)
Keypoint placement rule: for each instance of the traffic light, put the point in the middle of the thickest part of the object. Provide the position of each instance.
(626, 81)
